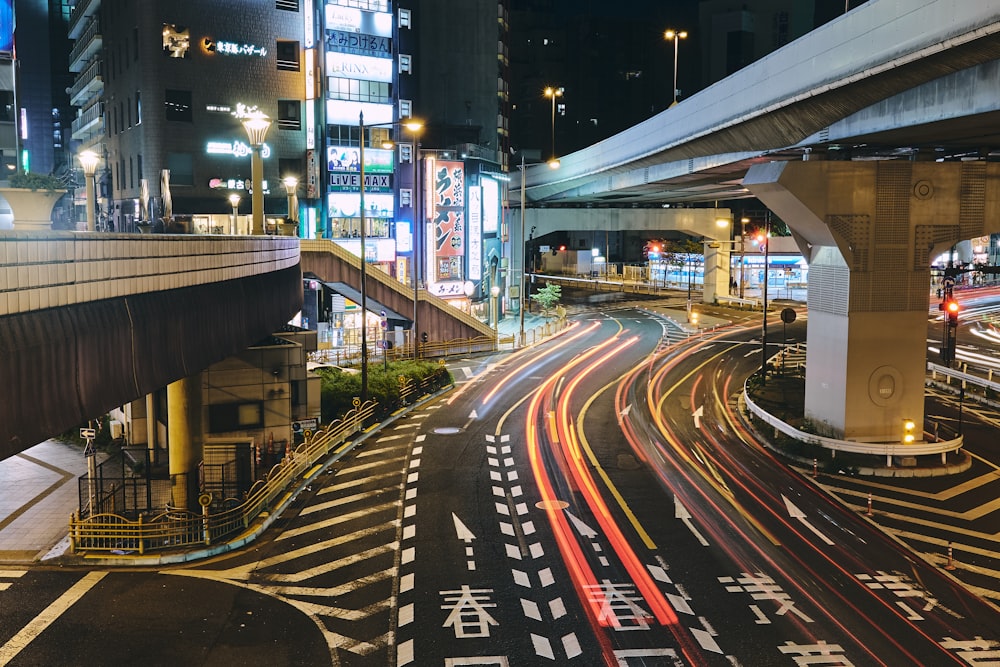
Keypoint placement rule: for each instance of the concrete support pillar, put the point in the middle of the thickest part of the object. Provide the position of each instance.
(184, 439)
(869, 231)
(717, 271)
(151, 427)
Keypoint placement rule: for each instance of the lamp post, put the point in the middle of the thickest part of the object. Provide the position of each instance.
(553, 93)
(291, 186)
(675, 36)
(234, 201)
(417, 225)
(763, 322)
(743, 233)
(495, 308)
(89, 160)
(413, 126)
(256, 126)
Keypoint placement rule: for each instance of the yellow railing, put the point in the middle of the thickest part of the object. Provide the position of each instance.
(179, 528)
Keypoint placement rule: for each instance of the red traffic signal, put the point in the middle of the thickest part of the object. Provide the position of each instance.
(951, 309)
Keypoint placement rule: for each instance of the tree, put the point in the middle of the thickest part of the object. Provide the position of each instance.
(547, 297)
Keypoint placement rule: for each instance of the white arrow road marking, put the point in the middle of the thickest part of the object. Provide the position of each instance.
(466, 536)
(697, 416)
(624, 411)
(581, 527)
(796, 513)
(681, 512)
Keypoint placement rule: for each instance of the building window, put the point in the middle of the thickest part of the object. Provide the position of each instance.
(289, 114)
(404, 18)
(287, 5)
(138, 165)
(366, 5)
(406, 108)
(405, 152)
(176, 41)
(287, 53)
(358, 91)
(138, 108)
(225, 417)
(177, 105)
(405, 64)
(181, 166)
(405, 197)
(290, 166)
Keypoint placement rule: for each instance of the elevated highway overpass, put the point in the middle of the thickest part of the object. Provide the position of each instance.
(874, 138)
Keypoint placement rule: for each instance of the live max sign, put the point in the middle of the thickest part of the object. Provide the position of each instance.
(372, 181)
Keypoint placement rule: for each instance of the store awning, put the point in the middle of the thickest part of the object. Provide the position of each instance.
(394, 318)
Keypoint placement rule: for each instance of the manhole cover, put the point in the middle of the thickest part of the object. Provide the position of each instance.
(448, 430)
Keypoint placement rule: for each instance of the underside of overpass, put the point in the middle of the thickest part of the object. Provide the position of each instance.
(63, 366)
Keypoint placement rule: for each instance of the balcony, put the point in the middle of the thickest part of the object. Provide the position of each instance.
(83, 10)
(88, 123)
(88, 84)
(87, 46)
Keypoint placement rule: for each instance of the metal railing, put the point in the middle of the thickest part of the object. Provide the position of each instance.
(175, 528)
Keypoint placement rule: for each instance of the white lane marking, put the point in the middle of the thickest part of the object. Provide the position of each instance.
(682, 513)
(28, 633)
(796, 513)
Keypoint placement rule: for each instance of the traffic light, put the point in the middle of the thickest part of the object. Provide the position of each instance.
(951, 309)
(908, 427)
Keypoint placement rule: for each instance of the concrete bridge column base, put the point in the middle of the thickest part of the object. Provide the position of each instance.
(869, 231)
(184, 440)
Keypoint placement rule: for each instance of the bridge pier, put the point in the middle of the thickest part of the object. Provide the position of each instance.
(869, 231)
(184, 439)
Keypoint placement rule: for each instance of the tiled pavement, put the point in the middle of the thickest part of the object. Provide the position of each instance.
(38, 492)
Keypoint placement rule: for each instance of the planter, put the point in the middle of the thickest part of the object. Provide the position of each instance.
(288, 229)
(32, 209)
(145, 227)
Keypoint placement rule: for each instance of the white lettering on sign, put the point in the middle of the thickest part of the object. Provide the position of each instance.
(354, 180)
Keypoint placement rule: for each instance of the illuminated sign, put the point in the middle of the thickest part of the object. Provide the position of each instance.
(232, 48)
(449, 210)
(6, 25)
(310, 126)
(491, 206)
(346, 204)
(235, 148)
(310, 58)
(346, 158)
(337, 39)
(376, 250)
(235, 184)
(352, 181)
(342, 112)
(349, 66)
(176, 40)
(475, 234)
(404, 236)
(309, 37)
(349, 19)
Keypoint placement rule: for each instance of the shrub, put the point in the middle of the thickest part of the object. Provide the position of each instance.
(33, 181)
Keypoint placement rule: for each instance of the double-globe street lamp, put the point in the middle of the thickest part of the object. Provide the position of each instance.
(256, 125)
(413, 126)
(675, 36)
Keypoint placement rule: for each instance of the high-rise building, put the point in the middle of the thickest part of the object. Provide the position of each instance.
(165, 86)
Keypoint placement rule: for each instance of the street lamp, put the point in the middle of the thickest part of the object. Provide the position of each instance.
(234, 201)
(291, 186)
(763, 326)
(743, 233)
(553, 93)
(256, 125)
(675, 36)
(495, 307)
(413, 126)
(89, 160)
(553, 164)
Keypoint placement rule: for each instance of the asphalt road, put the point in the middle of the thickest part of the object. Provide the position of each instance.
(595, 500)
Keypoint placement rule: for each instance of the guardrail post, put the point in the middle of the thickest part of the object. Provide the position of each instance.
(142, 539)
(72, 532)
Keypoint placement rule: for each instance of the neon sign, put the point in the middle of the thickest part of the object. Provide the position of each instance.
(236, 148)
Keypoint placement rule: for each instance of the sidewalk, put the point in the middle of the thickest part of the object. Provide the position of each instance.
(39, 492)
